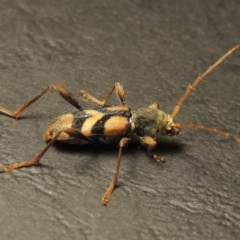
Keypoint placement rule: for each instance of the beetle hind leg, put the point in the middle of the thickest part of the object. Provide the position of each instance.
(70, 131)
(33, 161)
(64, 93)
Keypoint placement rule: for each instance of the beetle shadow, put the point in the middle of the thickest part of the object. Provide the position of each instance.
(87, 148)
(89, 154)
(169, 146)
(164, 147)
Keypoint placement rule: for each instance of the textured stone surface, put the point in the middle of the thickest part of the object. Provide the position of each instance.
(155, 49)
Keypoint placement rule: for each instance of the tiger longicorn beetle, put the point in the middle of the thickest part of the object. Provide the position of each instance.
(110, 124)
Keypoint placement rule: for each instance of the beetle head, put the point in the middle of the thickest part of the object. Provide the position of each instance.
(168, 127)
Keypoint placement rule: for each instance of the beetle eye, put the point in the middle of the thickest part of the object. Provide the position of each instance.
(169, 132)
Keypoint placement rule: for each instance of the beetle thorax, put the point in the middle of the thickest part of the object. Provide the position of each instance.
(146, 121)
(150, 121)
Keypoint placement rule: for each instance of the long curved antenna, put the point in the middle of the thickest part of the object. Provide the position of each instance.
(210, 129)
(191, 87)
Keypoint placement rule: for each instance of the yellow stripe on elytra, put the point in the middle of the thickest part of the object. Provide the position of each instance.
(94, 116)
(118, 108)
(116, 125)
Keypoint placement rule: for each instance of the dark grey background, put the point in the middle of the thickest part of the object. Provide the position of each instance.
(155, 49)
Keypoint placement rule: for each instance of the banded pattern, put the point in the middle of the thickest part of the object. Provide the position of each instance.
(109, 121)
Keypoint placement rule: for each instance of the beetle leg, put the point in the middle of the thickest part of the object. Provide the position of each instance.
(151, 144)
(70, 131)
(154, 106)
(64, 93)
(105, 199)
(119, 91)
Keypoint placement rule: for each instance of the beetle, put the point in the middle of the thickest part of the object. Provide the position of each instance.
(113, 124)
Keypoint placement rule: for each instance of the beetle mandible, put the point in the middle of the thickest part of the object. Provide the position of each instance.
(113, 124)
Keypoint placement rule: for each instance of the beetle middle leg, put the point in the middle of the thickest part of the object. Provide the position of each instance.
(119, 91)
(105, 199)
(64, 93)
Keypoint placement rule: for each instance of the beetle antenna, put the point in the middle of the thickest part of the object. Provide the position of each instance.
(210, 129)
(191, 87)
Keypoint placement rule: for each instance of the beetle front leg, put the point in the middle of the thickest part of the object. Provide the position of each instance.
(151, 144)
(105, 199)
(119, 91)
